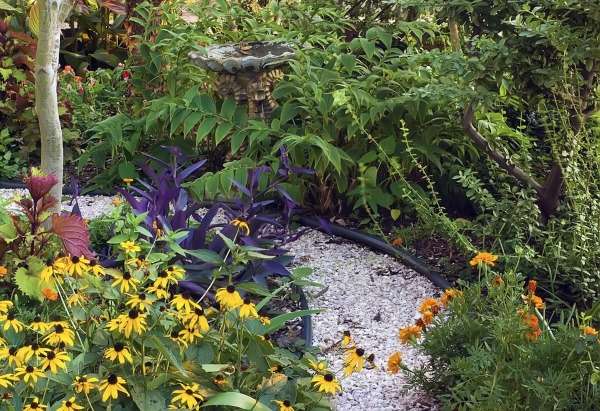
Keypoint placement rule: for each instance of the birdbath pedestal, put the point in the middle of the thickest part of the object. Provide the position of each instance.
(247, 72)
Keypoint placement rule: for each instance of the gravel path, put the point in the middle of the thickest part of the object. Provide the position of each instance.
(369, 294)
(372, 296)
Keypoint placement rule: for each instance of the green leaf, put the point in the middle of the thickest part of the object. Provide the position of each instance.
(228, 108)
(237, 400)
(368, 47)
(395, 213)
(127, 170)
(7, 7)
(279, 321)
(34, 18)
(147, 399)
(222, 131)
(8, 231)
(214, 367)
(28, 284)
(191, 121)
(207, 256)
(205, 128)
(288, 112)
(237, 140)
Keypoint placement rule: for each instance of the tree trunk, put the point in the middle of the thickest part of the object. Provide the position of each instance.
(53, 13)
(454, 35)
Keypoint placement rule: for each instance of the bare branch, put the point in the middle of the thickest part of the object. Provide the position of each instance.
(504, 163)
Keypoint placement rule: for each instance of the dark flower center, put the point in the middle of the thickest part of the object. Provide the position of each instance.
(74, 259)
(328, 377)
(247, 301)
(360, 352)
(185, 295)
(230, 289)
(12, 351)
(126, 276)
(174, 334)
(82, 379)
(133, 314)
(162, 308)
(49, 263)
(29, 369)
(346, 333)
(35, 346)
(112, 379)
(10, 316)
(199, 311)
(58, 329)
(68, 404)
(33, 405)
(51, 355)
(37, 319)
(163, 274)
(93, 263)
(119, 347)
(287, 403)
(142, 296)
(189, 392)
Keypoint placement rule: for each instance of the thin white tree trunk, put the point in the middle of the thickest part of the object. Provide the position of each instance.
(53, 13)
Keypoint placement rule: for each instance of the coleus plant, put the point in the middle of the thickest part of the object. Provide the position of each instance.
(32, 235)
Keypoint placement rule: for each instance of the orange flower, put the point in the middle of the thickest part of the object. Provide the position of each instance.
(533, 335)
(485, 258)
(3, 271)
(533, 323)
(397, 242)
(449, 295)
(50, 294)
(497, 281)
(427, 317)
(587, 330)
(532, 286)
(406, 334)
(429, 304)
(537, 302)
(394, 362)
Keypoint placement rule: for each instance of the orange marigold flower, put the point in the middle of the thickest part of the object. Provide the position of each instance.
(497, 281)
(533, 335)
(406, 334)
(449, 295)
(532, 286)
(537, 302)
(531, 321)
(3, 271)
(588, 330)
(429, 304)
(427, 317)
(485, 258)
(50, 294)
(397, 242)
(394, 362)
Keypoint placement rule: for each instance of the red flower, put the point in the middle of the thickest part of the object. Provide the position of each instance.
(126, 75)
(39, 185)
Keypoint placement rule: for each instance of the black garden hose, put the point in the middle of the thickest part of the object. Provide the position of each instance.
(379, 245)
(307, 329)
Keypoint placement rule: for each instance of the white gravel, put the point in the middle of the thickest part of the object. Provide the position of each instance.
(369, 294)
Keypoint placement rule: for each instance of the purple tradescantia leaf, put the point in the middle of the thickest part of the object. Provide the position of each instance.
(198, 237)
(192, 286)
(164, 163)
(218, 244)
(181, 176)
(149, 171)
(137, 205)
(241, 187)
(142, 193)
(274, 267)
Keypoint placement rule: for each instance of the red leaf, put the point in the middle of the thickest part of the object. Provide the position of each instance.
(116, 6)
(74, 234)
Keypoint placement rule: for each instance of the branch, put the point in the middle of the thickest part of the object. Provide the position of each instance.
(502, 161)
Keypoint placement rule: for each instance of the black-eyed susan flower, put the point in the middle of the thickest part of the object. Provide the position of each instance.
(187, 396)
(409, 333)
(34, 405)
(7, 380)
(69, 405)
(163, 280)
(177, 336)
(354, 360)
(485, 258)
(284, 405)
(183, 302)
(55, 361)
(175, 272)
(118, 352)
(5, 306)
(196, 319)
(229, 298)
(10, 322)
(326, 383)
(248, 309)
(264, 320)
(29, 374)
(10, 354)
(40, 326)
(140, 301)
(318, 366)
(95, 268)
(133, 321)
(242, 225)
(77, 266)
(84, 384)
(77, 298)
(47, 272)
(394, 362)
(190, 334)
(160, 293)
(60, 334)
(112, 386)
(61, 264)
(25, 353)
(346, 339)
(130, 247)
(125, 281)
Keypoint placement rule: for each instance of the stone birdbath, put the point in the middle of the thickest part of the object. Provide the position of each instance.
(247, 72)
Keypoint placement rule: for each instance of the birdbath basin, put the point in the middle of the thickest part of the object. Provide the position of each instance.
(247, 72)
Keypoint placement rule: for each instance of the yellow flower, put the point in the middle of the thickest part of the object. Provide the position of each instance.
(406, 334)
(228, 297)
(69, 405)
(7, 380)
(326, 383)
(125, 281)
(354, 361)
(60, 335)
(450, 294)
(241, 225)
(394, 363)
(117, 201)
(264, 320)
(588, 330)
(139, 301)
(164, 279)
(189, 335)
(187, 396)
(77, 298)
(128, 181)
(61, 264)
(318, 366)
(25, 353)
(177, 336)
(248, 310)
(130, 247)
(183, 302)
(5, 306)
(47, 272)
(3, 271)
(132, 322)
(11, 322)
(284, 405)
(35, 405)
(160, 293)
(176, 272)
(38, 325)
(346, 339)
(118, 352)
(30, 374)
(55, 361)
(96, 268)
(84, 384)
(77, 266)
(429, 304)
(111, 387)
(11, 355)
(484, 257)
(196, 318)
